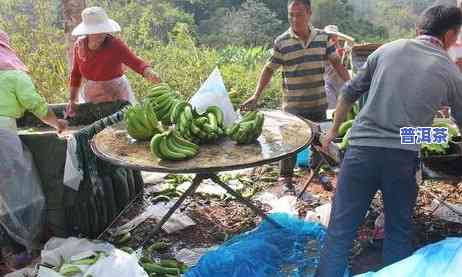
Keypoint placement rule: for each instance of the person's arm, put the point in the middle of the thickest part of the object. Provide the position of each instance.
(151, 76)
(75, 80)
(75, 77)
(341, 112)
(350, 93)
(274, 62)
(336, 61)
(265, 77)
(74, 94)
(32, 101)
(459, 64)
(136, 63)
(51, 119)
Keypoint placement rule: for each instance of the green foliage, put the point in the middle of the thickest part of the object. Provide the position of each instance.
(280, 8)
(172, 49)
(39, 43)
(185, 39)
(253, 24)
(250, 24)
(241, 68)
(341, 13)
(143, 21)
(179, 62)
(399, 19)
(248, 57)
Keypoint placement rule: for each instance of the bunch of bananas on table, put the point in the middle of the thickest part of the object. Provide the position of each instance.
(199, 128)
(142, 123)
(163, 100)
(170, 146)
(162, 107)
(248, 129)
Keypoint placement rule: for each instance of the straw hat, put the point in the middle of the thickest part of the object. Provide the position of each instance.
(95, 21)
(333, 30)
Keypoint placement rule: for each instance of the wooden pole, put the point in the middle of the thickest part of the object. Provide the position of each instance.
(72, 10)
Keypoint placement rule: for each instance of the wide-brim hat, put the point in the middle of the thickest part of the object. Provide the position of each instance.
(95, 21)
(4, 39)
(333, 30)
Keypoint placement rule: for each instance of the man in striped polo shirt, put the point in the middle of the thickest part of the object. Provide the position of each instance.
(302, 51)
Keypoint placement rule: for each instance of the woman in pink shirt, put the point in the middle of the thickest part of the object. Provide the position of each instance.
(99, 59)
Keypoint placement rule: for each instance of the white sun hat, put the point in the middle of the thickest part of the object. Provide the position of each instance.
(333, 30)
(95, 21)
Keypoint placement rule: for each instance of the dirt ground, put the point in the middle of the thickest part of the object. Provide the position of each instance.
(219, 219)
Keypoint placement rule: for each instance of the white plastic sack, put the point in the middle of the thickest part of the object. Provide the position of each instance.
(213, 93)
(56, 248)
(320, 214)
(117, 263)
(21, 198)
(120, 264)
(443, 258)
(446, 211)
(286, 204)
(72, 174)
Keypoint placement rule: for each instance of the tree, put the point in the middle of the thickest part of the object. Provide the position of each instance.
(342, 14)
(254, 24)
(206, 9)
(280, 8)
(144, 21)
(72, 10)
(399, 19)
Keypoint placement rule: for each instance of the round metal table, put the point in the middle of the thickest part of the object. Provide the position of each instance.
(283, 136)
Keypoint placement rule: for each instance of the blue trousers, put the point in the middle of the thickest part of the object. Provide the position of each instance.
(365, 170)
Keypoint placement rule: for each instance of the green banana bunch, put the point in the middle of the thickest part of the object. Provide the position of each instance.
(170, 146)
(345, 141)
(183, 118)
(87, 261)
(199, 128)
(344, 127)
(69, 270)
(248, 129)
(142, 122)
(163, 99)
(218, 113)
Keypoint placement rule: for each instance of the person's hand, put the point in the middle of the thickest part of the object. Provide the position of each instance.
(444, 112)
(459, 64)
(331, 135)
(71, 108)
(151, 76)
(61, 125)
(250, 104)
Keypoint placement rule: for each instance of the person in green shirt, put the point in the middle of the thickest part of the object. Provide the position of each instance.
(18, 92)
(21, 197)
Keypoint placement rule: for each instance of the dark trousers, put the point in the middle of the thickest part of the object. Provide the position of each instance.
(365, 170)
(287, 166)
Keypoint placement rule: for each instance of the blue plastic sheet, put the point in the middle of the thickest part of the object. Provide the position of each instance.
(441, 259)
(292, 250)
(303, 158)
